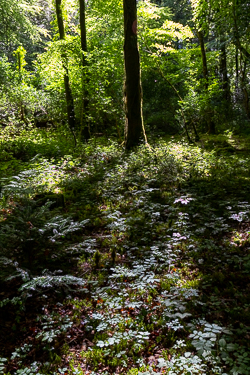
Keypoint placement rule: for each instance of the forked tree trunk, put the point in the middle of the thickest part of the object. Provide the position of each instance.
(85, 104)
(132, 89)
(68, 93)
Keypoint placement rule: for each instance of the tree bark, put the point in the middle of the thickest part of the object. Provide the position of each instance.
(243, 82)
(204, 57)
(237, 65)
(223, 71)
(85, 105)
(132, 89)
(68, 93)
(83, 30)
(243, 61)
(210, 122)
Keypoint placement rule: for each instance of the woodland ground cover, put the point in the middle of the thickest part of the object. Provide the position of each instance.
(117, 262)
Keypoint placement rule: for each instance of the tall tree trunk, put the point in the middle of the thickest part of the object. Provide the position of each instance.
(243, 61)
(83, 30)
(237, 66)
(69, 97)
(209, 120)
(204, 57)
(243, 81)
(223, 71)
(85, 104)
(132, 89)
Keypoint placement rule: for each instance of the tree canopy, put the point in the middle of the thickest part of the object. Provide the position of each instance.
(197, 53)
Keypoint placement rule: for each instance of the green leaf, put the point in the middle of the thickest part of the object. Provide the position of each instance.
(222, 343)
(230, 347)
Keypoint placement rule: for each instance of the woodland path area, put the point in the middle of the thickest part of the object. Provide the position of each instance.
(117, 262)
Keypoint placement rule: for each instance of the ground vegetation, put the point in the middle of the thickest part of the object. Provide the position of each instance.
(124, 187)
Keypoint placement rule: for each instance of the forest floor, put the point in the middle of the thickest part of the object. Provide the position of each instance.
(117, 262)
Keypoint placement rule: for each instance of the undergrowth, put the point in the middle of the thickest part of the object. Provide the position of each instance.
(124, 263)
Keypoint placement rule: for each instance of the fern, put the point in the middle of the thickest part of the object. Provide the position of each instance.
(30, 234)
(49, 281)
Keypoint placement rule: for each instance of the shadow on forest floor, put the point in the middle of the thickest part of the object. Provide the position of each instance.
(140, 261)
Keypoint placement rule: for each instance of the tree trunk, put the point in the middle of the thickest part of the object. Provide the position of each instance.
(204, 57)
(223, 71)
(69, 97)
(237, 66)
(85, 104)
(243, 82)
(83, 30)
(209, 120)
(132, 89)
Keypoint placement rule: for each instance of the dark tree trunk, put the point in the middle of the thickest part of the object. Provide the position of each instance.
(223, 71)
(69, 97)
(83, 30)
(132, 89)
(243, 62)
(243, 82)
(237, 65)
(60, 19)
(204, 57)
(85, 104)
(210, 122)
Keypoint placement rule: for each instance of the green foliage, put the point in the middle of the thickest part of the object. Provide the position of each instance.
(172, 80)
(113, 255)
(52, 327)
(2, 364)
(146, 252)
(17, 22)
(137, 262)
(29, 234)
(20, 58)
(31, 145)
(96, 259)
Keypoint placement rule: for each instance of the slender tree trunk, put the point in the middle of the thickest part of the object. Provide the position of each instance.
(244, 86)
(223, 71)
(204, 57)
(69, 97)
(246, 54)
(237, 65)
(83, 30)
(210, 122)
(132, 89)
(85, 104)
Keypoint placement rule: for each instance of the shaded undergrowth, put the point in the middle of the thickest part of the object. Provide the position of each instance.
(126, 263)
